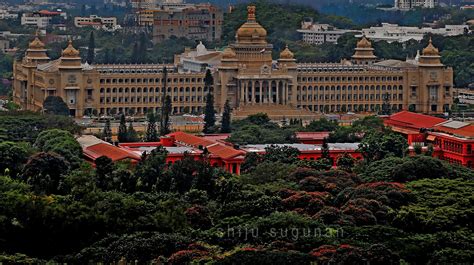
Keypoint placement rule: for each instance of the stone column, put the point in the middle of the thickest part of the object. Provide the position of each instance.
(253, 96)
(270, 92)
(277, 85)
(242, 97)
(245, 93)
(261, 93)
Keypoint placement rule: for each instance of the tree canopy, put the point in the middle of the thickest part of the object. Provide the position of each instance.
(55, 105)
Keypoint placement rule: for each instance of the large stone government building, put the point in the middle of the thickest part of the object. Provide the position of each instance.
(244, 73)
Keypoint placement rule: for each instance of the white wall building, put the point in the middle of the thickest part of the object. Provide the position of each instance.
(314, 33)
(106, 23)
(395, 33)
(4, 14)
(198, 59)
(43, 19)
(4, 45)
(410, 4)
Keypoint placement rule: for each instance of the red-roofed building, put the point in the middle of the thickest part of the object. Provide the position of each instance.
(219, 154)
(93, 148)
(49, 13)
(113, 152)
(174, 153)
(177, 144)
(311, 137)
(453, 140)
(412, 125)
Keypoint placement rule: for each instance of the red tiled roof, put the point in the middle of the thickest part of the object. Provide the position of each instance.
(52, 13)
(466, 131)
(312, 135)
(213, 147)
(89, 23)
(113, 152)
(413, 120)
(217, 137)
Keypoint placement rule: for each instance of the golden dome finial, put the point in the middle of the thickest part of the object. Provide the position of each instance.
(251, 13)
(251, 31)
(430, 50)
(36, 44)
(70, 51)
(286, 54)
(364, 43)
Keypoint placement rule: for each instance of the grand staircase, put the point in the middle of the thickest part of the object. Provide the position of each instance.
(275, 112)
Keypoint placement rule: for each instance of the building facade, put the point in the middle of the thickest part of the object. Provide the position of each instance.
(453, 141)
(395, 33)
(410, 4)
(5, 14)
(4, 45)
(107, 23)
(218, 154)
(43, 18)
(314, 33)
(197, 21)
(246, 76)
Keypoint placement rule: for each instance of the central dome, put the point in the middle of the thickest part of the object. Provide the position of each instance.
(251, 31)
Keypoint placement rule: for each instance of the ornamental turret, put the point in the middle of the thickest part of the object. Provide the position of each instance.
(70, 58)
(287, 58)
(36, 51)
(364, 53)
(430, 56)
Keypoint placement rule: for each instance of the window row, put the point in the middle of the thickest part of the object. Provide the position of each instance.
(350, 78)
(349, 107)
(141, 111)
(149, 80)
(354, 97)
(151, 90)
(149, 99)
(348, 88)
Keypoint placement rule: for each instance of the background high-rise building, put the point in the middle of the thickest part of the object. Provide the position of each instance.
(176, 18)
(200, 22)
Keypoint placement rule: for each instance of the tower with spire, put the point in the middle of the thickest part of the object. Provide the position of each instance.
(364, 53)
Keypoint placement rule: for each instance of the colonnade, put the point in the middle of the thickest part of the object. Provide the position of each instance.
(263, 92)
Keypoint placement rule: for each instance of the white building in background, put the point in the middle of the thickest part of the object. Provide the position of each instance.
(4, 44)
(5, 14)
(106, 23)
(198, 60)
(395, 33)
(465, 96)
(410, 4)
(44, 18)
(151, 4)
(314, 33)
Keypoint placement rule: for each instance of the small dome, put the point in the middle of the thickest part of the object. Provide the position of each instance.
(364, 43)
(36, 44)
(251, 31)
(430, 50)
(286, 54)
(201, 49)
(228, 53)
(70, 51)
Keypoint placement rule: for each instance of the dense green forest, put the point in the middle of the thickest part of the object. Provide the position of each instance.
(386, 209)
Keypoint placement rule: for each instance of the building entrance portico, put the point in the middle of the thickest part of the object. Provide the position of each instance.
(262, 91)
